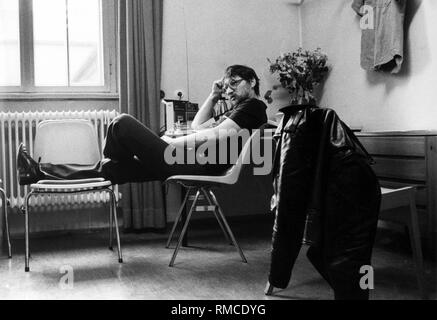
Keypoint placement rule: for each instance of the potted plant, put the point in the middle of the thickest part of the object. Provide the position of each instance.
(299, 72)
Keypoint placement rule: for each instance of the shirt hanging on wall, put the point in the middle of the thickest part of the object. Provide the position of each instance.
(382, 38)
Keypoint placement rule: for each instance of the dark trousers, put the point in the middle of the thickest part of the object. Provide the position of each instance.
(134, 154)
(349, 227)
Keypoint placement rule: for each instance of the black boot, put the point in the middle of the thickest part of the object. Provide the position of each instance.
(28, 169)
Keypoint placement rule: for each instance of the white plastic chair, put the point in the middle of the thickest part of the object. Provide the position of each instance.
(5, 214)
(204, 184)
(67, 142)
(405, 198)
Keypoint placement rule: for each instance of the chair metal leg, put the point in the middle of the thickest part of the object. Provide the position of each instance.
(114, 210)
(5, 212)
(268, 291)
(416, 246)
(217, 216)
(184, 229)
(26, 231)
(219, 210)
(178, 217)
(111, 216)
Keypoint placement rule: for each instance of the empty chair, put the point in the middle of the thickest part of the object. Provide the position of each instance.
(69, 142)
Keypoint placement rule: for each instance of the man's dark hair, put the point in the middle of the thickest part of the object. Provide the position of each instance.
(245, 73)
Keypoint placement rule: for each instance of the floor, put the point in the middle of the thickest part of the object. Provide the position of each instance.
(208, 269)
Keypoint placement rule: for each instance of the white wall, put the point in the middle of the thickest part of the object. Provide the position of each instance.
(202, 37)
(375, 101)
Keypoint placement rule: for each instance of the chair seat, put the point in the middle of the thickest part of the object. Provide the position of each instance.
(74, 181)
(395, 198)
(202, 180)
(385, 190)
(70, 185)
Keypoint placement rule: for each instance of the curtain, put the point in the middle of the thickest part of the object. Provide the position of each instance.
(140, 44)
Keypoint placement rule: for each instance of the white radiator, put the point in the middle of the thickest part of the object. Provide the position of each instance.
(16, 127)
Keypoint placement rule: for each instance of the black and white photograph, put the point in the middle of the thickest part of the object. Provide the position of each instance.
(218, 159)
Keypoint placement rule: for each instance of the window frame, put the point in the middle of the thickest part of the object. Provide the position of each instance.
(28, 88)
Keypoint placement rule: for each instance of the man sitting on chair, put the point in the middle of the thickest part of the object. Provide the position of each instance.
(134, 153)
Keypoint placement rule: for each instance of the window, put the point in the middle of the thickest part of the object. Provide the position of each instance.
(9, 43)
(61, 46)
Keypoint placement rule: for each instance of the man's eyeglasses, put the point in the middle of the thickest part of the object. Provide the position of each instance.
(233, 84)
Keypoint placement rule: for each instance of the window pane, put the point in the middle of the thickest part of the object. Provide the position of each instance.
(85, 40)
(9, 43)
(50, 42)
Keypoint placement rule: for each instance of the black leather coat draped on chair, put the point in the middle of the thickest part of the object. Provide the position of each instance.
(321, 167)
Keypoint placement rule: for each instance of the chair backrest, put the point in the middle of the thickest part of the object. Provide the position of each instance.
(66, 141)
(232, 174)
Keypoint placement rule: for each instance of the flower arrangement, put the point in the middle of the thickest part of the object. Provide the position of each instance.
(299, 72)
